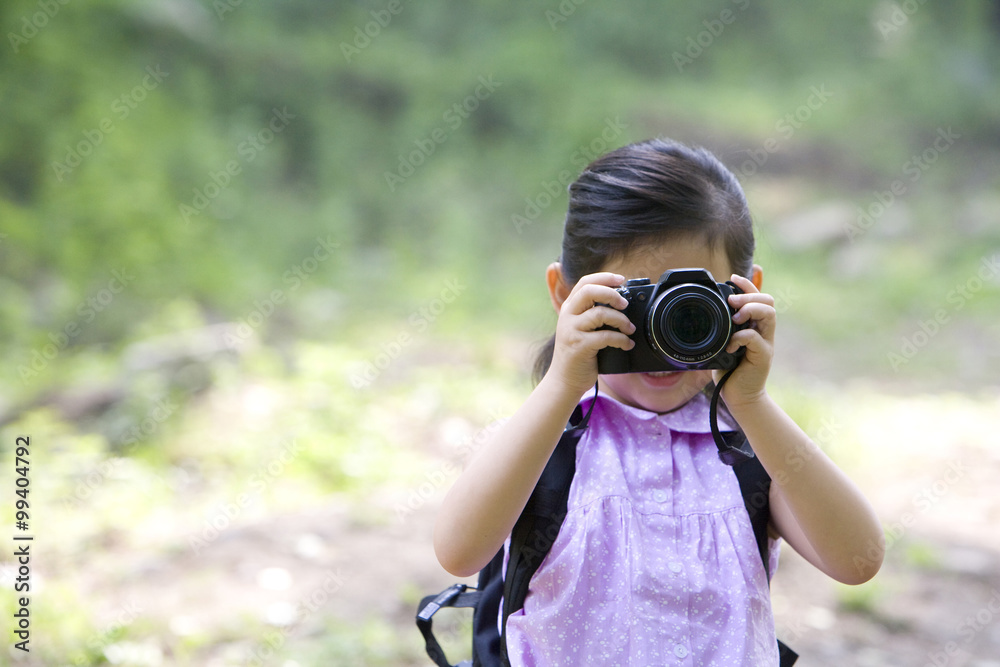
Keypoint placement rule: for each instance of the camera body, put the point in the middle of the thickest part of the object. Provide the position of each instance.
(682, 323)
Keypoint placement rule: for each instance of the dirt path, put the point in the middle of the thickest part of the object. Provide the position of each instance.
(337, 582)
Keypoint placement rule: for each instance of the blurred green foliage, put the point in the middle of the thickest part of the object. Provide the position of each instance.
(164, 107)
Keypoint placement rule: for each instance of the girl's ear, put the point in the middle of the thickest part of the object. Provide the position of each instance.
(558, 291)
(757, 276)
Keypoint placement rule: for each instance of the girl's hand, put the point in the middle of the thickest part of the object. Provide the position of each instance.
(591, 304)
(746, 384)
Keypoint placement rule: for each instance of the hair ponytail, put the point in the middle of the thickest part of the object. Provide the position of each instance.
(543, 359)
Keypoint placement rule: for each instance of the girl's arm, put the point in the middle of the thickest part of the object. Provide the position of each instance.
(814, 505)
(480, 510)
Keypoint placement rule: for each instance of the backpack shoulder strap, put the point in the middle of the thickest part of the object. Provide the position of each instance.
(537, 527)
(485, 633)
(755, 487)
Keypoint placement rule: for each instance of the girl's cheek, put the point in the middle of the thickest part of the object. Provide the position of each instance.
(701, 378)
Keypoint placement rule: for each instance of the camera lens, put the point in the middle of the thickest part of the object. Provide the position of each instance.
(689, 324)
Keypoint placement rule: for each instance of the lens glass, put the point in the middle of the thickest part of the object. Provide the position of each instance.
(690, 324)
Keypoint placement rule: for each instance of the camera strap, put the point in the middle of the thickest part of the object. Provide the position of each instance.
(733, 445)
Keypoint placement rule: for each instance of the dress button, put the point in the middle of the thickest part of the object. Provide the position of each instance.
(660, 495)
(680, 651)
(676, 567)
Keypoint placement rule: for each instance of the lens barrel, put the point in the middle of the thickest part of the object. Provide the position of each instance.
(688, 324)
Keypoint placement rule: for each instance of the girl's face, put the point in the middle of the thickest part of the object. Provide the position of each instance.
(663, 392)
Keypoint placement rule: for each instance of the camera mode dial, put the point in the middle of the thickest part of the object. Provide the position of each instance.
(634, 282)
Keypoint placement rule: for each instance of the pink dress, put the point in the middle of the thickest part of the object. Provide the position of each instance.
(656, 563)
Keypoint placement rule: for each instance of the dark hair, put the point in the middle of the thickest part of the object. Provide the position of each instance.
(647, 193)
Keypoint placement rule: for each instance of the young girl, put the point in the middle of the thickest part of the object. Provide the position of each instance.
(655, 562)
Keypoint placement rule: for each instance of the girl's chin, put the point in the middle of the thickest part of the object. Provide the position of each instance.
(654, 392)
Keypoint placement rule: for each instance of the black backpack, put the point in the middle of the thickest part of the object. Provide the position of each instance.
(536, 530)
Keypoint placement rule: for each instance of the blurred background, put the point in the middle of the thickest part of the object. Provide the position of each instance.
(270, 271)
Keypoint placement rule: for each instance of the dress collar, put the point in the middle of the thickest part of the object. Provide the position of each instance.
(692, 417)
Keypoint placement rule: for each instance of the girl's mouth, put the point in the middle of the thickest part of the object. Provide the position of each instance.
(661, 378)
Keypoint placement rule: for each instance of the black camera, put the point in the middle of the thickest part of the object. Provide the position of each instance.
(682, 323)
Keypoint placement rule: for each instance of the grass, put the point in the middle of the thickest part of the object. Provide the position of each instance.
(260, 441)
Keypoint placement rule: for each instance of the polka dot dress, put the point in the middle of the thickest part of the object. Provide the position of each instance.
(656, 562)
